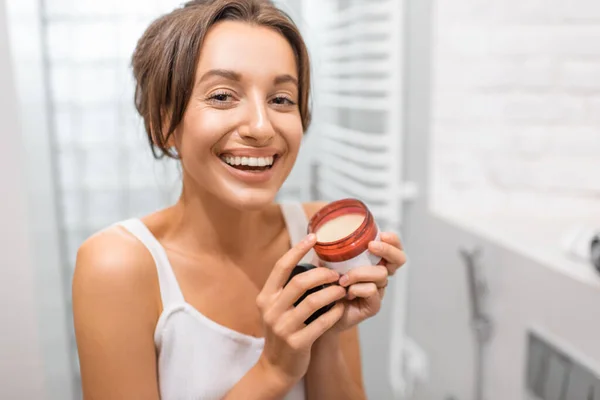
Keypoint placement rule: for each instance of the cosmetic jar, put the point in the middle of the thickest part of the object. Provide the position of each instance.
(344, 229)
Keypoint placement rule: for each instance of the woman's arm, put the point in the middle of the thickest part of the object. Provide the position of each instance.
(259, 383)
(115, 309)
(335, 370)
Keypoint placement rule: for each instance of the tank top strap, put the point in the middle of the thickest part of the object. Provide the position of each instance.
(297, 223)
(170, 292)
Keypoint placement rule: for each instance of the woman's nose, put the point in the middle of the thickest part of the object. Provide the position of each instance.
(258, 127)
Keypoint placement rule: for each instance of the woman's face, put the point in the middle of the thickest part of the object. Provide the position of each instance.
(242, 129)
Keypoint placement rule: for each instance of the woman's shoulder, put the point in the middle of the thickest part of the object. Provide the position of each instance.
(115, 250)
(112, 260)
(110, 245)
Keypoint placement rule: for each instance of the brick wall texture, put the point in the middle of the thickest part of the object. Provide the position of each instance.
(516, 105)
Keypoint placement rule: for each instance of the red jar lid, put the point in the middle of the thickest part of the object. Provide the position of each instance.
(349, 246)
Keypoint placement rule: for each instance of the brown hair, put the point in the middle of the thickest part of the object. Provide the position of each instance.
(166, 56)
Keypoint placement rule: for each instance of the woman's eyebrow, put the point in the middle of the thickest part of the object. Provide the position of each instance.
(235, 76)
(224, 73)
(285, 78)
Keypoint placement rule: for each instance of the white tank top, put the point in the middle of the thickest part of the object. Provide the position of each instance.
(199, 359)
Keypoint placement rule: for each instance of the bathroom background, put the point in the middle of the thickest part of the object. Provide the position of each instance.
(470, 128)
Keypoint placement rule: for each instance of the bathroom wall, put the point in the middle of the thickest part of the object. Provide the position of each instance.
(28, 103)
(516, 94)
(21, 360)
(514, 133)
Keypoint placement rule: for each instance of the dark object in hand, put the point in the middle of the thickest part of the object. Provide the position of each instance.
(298, 269)
(595, 251)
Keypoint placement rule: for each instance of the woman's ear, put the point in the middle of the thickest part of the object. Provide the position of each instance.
(174, 143)
(170, 143)
(165, 118)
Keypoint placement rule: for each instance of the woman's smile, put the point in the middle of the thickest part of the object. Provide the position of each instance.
(251, 165)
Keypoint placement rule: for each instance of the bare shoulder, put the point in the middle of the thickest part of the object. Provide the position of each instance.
(112, 262)
(113, 254)
(312, 207)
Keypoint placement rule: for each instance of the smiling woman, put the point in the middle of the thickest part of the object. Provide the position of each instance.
(193, 301)
(229, 97)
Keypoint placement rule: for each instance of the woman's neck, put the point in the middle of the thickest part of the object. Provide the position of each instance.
(207, 225)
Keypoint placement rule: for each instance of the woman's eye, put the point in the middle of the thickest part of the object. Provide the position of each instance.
(282, 100)
(220, 97)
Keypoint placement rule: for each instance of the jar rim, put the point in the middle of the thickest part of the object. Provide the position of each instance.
(315, 220)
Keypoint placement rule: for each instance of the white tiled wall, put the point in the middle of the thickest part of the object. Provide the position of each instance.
(516, 106)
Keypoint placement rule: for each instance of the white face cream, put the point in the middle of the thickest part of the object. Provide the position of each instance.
(339, 227)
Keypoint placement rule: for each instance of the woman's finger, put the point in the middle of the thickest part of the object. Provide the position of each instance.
(363, 290)
(393, 256)
(377, 274)
(391, 238)
(283, 268)
(312, 303)
(302, 283)
(311, 332)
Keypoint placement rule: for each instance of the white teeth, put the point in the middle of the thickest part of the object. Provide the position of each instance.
(249, 161)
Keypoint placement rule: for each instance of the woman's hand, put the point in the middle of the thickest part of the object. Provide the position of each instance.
(366, 285)
(288, 341)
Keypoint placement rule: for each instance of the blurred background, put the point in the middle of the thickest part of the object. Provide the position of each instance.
(470, 128)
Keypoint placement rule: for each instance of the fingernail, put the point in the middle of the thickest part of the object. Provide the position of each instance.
(377, 246)
(344, 280)
(310, 238)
